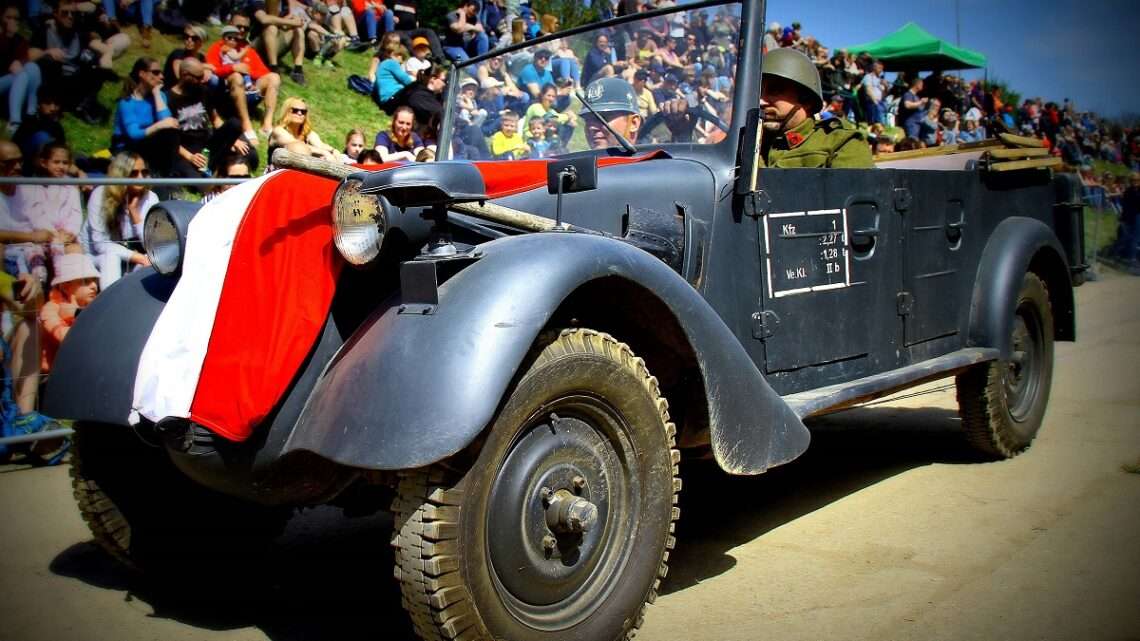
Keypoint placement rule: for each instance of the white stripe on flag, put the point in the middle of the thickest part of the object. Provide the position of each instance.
(171, 361)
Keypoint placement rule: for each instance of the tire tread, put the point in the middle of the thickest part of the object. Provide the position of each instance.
(427, 511)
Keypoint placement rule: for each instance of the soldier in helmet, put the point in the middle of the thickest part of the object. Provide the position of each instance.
(614, 100)
(790, 96)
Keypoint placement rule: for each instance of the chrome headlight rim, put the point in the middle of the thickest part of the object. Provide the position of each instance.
(360, 222)
(164, 239)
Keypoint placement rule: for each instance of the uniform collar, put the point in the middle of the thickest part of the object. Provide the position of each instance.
(798, 134)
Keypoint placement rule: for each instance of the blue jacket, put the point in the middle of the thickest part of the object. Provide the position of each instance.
(132, 117)
(390, 78)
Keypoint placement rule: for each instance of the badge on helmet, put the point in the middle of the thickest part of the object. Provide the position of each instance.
(612, 94)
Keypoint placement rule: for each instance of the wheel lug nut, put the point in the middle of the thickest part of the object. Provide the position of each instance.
(579, 483)
(548, 543)
(546, 494)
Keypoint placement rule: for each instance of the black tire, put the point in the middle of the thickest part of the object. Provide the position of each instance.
(477, 556)
(1002, 403)
(146, 514)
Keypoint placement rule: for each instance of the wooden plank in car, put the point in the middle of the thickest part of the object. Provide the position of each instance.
(1006, 154)
(1020, 141)
(1036, 163)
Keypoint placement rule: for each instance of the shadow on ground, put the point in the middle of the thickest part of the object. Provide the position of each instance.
(330, 577)
(849, 451)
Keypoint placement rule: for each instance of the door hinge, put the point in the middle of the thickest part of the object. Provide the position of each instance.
(757, 203)
(902, 198)
(764, 324)
(905, 302)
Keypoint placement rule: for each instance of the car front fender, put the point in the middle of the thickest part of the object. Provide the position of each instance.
(411, 389)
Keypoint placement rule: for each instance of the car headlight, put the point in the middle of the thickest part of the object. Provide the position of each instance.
(164, 234)
(360, 221)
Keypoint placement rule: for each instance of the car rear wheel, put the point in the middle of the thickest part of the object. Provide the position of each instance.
(146, 514)
(560, 526)
(1002, 403)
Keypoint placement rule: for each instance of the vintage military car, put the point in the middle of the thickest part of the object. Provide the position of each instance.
(522, 351)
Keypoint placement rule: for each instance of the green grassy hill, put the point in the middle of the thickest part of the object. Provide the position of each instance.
(332, 106)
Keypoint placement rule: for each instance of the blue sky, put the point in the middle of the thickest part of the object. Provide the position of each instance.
(1088, 51)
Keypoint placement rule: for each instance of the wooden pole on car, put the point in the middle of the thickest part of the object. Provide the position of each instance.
(487, 211)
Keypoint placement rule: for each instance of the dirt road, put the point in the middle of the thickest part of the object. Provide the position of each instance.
(884, 530)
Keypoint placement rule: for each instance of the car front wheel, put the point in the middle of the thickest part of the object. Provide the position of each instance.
(560, 526)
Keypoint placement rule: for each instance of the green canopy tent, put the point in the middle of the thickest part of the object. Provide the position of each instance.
(912, 48)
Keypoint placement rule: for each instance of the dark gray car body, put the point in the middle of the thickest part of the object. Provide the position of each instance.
(728, 288)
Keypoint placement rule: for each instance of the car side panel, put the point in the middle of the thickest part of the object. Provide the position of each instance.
(410, 389)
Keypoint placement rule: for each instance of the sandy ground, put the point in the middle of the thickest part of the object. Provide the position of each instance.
(885, 529)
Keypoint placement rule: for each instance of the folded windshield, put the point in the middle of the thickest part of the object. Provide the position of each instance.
(658, 80)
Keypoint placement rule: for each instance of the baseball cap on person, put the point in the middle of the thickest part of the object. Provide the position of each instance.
(671, 77)
(230, 29)
(468, 82)
(542, 53)
(420, 41)
(641, 75)
(491, 83)
(71, 267)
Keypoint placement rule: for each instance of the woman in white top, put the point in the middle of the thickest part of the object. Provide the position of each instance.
(113, 232)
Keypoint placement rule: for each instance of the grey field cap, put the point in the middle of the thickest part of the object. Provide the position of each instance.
(612, 94)
(795, 66)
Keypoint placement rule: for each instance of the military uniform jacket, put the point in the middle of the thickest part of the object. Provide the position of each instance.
(812, 144)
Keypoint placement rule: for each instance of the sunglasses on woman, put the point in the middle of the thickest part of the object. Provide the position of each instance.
(299, 112)
(190, 36)
(140, 173)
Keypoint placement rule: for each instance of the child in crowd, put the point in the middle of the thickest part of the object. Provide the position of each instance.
(421, 49)
(56, 208)
(540, 146)
(469, 112)
(74, 287)
(369, 158)
(353, 145)
(508, 142)
(387, 73)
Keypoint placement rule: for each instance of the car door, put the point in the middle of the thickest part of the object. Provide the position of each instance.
(829, 245)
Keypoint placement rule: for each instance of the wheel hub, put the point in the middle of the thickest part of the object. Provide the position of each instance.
(1022, 368)
(562, 495)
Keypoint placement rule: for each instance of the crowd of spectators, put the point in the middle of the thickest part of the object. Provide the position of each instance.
(914, 110)
(219, 107)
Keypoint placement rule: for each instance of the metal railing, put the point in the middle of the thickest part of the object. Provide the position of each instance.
(32, 316)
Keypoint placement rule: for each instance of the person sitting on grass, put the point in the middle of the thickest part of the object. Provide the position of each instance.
(143, 123)
(369, 158)
(245, 75)
(353, 145)
(294, 127)
(421, 50)
(53, 207)
(203, 134)
(508, 143)
(115, 214)
(387, 73)
(277, 34)
(193, 39)
(400, 142)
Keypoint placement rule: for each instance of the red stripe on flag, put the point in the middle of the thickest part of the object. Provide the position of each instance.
(278, 289)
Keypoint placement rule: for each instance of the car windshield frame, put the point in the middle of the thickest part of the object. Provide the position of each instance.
(447, 126)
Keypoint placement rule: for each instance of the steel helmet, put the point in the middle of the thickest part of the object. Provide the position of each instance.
(790, 64)
(612, 94)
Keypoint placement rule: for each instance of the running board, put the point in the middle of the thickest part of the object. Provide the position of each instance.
(843, 395)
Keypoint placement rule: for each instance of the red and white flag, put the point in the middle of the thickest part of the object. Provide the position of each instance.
(257, 281)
